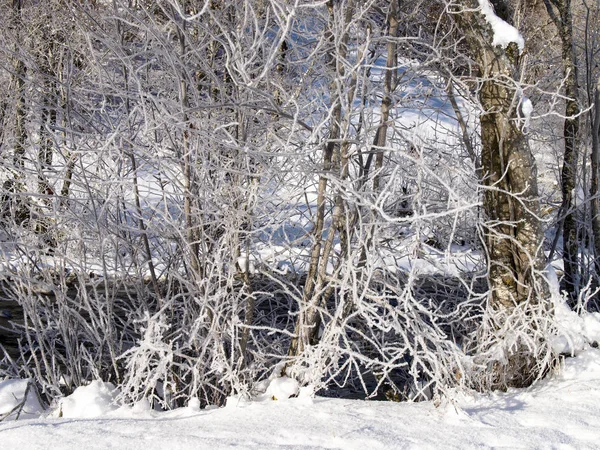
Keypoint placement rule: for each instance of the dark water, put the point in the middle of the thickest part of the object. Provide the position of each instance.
(11, 317)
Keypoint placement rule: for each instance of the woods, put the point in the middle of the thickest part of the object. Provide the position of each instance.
(368, 197)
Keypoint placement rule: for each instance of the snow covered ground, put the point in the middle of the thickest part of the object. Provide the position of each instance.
(561, 412)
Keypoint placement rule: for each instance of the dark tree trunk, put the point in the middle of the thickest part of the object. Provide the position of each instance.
(15, 203)
(594, 193)
(48, 119)
(562, 18)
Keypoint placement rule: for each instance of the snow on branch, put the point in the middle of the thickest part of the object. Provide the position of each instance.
(504, 33)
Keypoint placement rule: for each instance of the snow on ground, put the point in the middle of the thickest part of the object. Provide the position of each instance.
(561, 412)
(12, 394)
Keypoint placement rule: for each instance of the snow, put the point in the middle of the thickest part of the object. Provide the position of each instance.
(283, 388)
(561, 412)
(526, 110)
(11, 394)
(504, 33)
(244, 264)
(591, 327)
(575, 331)
(93, 400)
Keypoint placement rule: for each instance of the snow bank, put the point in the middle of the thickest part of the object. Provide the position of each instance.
(504, 33)
(94, 400)
(558, 413)
(274, 388)
(283, 388)
(585, 367)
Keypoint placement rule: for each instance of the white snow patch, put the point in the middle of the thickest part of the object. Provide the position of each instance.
(283, 388)
(585, 367)
(575, 331)
(245, 264)
(93, 400)
(142, 407)
(504, 33)
(194, 404)
(579, 196)
(278, 387)
(526, 110)
(591, 327)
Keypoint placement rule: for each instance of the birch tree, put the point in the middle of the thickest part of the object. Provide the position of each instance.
(518, 298)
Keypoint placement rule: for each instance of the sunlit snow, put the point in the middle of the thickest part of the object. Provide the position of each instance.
(504, 33)
(561, 412)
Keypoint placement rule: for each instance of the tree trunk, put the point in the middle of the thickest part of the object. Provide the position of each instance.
(15, 204)
(48, 120)
(513, 235)
(563, 20)
(306, 330)
(20, 112)
(381, 134)
(594, 193)
(188, 184)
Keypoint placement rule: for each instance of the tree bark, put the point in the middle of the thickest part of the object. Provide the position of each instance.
(47, 65)
(15, 203)
(563, 20)
(513, 235)
(594, 193)
(306, 330)
(380, 139)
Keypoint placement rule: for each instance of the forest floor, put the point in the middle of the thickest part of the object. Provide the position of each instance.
(560, 412)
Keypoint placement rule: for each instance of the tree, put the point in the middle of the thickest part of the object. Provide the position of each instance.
(591, 31)
(560, 11)
(334, 162)
(15, 203)
(513, 235)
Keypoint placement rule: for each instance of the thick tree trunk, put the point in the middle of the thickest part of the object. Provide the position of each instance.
(513, 235)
